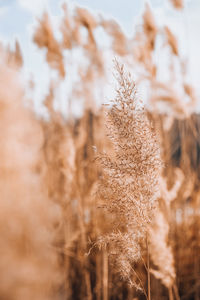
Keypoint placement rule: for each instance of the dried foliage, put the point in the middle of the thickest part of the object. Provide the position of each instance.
(29, 262)
(14, 57)
(51, 218)
(129, 185)
(44, 38)
(178, 4)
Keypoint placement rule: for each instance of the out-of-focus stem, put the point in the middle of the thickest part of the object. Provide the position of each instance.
(170, 294)
(176, 292)
(148, 270)
(105, 275)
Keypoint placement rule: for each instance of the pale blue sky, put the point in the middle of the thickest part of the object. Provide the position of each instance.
(18, 16)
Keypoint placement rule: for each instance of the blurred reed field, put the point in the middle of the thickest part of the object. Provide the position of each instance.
(105, 205)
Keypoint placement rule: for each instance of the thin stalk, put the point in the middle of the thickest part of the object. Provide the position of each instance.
(148, 271)
(176, 292)
(105, 275)
(141, 284)
(171, 297)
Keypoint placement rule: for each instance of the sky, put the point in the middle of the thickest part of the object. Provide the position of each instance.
(18, 18)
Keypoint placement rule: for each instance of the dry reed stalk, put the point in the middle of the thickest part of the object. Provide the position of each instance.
(13, 58)
(85, 177)
(72, 25)
(161, 252)
(178, 4)
(29, 263)
(149, 26)
(119, 40)
(59, 155)
(57, 165)
(129, 184)
(144, 43)
(160, 249)
(105, 275)
(145, 50)
(172, 41)
(87, 20)
(184, 144)
(148, 270)
(58, 179)
(44, 38)
(66, 28)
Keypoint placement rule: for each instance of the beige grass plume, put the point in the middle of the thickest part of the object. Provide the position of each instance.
(172, 41)
(129, 184)
(44, 38)
(161, 252)
(149, 26)
(13, 58)
(28, 261)
(119, 40)
(178, 4)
